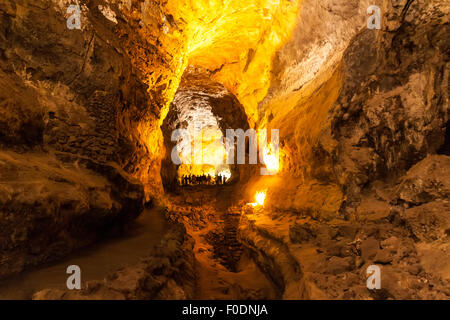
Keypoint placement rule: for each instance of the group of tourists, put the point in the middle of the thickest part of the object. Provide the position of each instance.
(202, 179)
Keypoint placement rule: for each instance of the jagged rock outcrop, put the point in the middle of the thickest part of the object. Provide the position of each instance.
(68, 101)
(393, 107)
(355, 105)
(426, 181)
(48, 209)
(360, 179)
(333, 262)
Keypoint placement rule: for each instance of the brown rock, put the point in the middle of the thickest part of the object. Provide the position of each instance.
(338, 265)
(369, 248)
(426, 181)
(383, 256)
(391, 244)
(299, 233)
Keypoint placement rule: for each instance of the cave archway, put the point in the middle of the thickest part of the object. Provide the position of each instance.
(205, 109)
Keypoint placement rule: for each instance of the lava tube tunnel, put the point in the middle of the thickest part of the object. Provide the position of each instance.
(224, 150)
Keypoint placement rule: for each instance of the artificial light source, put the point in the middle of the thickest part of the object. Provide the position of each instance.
(260, 197)
(270, 160)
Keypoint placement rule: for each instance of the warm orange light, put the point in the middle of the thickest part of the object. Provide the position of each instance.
(260, 197)
(236, 38)
(271, 160)
(225, 173)
(203, 152)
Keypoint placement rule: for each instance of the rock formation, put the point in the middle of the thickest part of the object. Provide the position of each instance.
(86, 117)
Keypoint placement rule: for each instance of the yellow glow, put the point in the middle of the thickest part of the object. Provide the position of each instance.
(260, 197)
(207, 156)
(271, 153)
(225, 173)
(237, 39)
(271, 159)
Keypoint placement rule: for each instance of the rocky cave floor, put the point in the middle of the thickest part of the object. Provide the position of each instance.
(220, 248)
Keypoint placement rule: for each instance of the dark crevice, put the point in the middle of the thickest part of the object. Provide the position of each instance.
(406, 8)
(445, 148)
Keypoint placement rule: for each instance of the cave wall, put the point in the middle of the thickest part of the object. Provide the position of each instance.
(356, 105)
(197, 89)
(66, 97)
(353, 105)
(393, 107)
(94, 99)
(364, 180)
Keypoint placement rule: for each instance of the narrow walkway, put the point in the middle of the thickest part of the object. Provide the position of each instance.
(95, 261)
(224, 269)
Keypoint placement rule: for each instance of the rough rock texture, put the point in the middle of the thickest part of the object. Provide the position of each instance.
(224, 270)
(49, 209)
(356, 105)
(369, 106)
(100, 91)
(422, 206)
(393, 107)
(168, 272)
(428, 180)
(98, 95)
(362, 116)
(332, 264)
(197, 93)
(66, 98)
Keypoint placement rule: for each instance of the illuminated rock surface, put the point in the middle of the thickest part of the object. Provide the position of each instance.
(86, 116)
